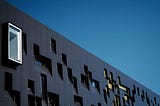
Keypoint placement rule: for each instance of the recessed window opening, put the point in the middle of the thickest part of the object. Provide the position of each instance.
(53, 46)
(53, 99)
(16, 98)
(75, 84)
(64, 59)
(60, 70)
(8, 81)
(99, 104)
(78, 101)
(31, 100)
(38, 101)
(24, 42)
(43, 83)
(84, 80)
(69, 74)
(95, 84)
(31, 87)
(105, 73)
(104, 95)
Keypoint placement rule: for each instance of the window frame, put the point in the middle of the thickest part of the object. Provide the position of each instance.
(19, 45)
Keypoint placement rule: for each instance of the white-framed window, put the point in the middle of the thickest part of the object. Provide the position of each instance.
(14, 43)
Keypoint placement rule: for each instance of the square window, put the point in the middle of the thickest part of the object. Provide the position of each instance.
(14, 43)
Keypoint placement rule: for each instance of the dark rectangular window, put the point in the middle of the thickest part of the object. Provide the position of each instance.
(138, 91)
(44, 86)
(155, 101)
(69, 74)
(86, 69)
(60, 70)
(16, 98)
(31, 87)
(84, 80)
(8, 81)
(36, 49)
(142, 95)
(38, 101)
(90, 76)
(64, 59)
(31, 100)
(105, 96)
(75, 84)
(78, 101)
(53, 45)
(53, 99)
(96, 85)
(105, 73)
(134, 89)
(24, 42)
(99, 104)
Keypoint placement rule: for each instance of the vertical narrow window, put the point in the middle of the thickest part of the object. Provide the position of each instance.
(75, 84)
(31, 100)
(105, 73)
(96, 85)
(117, 100)
(138, 91)
(84, 81)
(104, 95)
(8, 81)
(14, 43)
(44, 87)
(36, 49)
(53, 46)
(90, 76)
(69, 74)
(64, 59)
(16, 98)
(155, 101)
(60, 70)
(38, 101)
(24, 42)
(86, 69)
(31, 87)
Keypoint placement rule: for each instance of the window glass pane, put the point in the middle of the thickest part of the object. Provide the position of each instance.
(13, 46)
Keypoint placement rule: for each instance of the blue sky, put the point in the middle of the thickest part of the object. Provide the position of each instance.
(124, 33)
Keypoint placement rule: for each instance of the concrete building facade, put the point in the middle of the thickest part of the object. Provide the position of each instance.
(39, 67)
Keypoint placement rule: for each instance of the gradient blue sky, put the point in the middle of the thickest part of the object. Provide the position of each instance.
(124, 33)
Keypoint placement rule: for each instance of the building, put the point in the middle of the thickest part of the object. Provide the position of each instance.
(39, 67)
